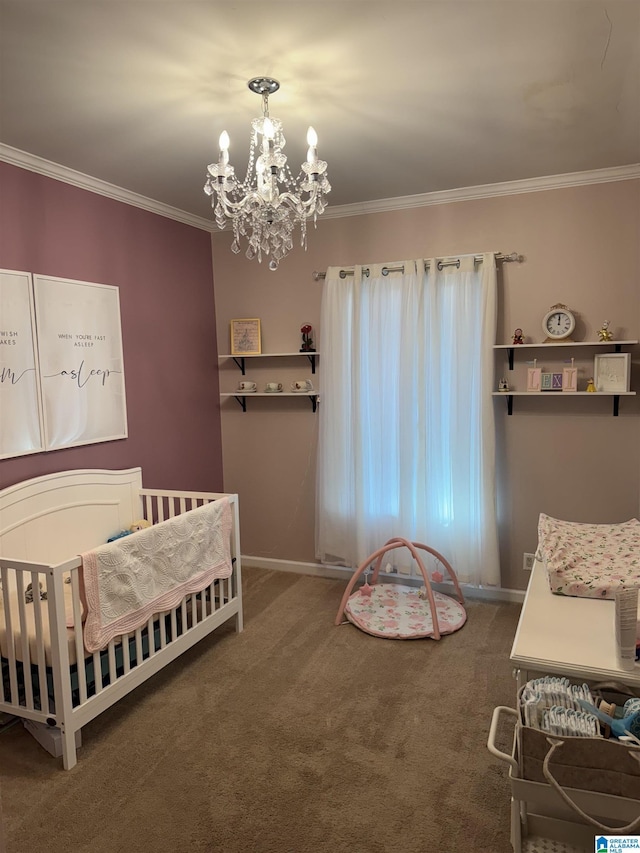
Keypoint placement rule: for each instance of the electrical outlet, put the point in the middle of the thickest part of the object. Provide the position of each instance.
(527, 562)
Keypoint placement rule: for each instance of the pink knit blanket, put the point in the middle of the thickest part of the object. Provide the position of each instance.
(127, 581)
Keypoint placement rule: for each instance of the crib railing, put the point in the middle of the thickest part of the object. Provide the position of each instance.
(47, 674)
(33, 651)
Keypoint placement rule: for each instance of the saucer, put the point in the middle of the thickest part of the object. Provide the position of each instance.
(302, 390)
(273, 390)
(247, 390)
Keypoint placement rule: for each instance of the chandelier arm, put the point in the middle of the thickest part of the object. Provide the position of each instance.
(232, 208)
(305, 206)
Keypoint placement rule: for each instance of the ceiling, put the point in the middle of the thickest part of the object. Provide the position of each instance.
(407, 97)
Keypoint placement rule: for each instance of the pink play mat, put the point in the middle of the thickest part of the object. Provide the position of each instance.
(400, 612)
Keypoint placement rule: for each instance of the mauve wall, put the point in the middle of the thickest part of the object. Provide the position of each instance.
(163, 270)
(565, 457)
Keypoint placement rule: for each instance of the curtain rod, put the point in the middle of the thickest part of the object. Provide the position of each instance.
(512, 256)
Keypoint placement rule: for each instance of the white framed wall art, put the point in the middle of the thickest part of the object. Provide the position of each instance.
(21, 426)
(612, 372)
(81, 362)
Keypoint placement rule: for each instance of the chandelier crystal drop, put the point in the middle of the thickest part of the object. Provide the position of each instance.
(266, 206)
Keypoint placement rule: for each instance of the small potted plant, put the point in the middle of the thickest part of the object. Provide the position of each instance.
(307, 341)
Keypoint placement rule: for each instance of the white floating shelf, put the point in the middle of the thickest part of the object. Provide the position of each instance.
(269, 394)
(563, 393)
(266, 354)
(542, 345)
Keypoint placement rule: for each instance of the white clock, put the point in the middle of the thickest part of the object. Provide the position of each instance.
(558, 324)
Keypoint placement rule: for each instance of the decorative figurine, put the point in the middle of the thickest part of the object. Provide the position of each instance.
(591, 388)
(604, 334)
(307, 340)
(518, 337)
(502, 385)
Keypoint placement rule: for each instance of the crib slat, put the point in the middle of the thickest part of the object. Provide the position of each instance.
(174, 624)
(148, 508)
(183, 611)
(45, 702)
(151, 639)
(77, 635)
(194, 609)
(4, 575)
(24, 636)
(97, 672)
(126, 660)
(11, 652)
(111, 654)
(138, 646)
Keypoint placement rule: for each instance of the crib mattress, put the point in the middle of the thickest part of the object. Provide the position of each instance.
(589, 560)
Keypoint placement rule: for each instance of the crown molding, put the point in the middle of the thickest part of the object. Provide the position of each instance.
(78, 179)
(552, 182)
(528, 185)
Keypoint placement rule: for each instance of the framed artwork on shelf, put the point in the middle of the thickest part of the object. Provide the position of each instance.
(245, 337)
(612, 372)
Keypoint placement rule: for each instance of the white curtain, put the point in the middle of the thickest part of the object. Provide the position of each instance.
(407, 441)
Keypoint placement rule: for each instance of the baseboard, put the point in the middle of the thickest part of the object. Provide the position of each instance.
(319, 570)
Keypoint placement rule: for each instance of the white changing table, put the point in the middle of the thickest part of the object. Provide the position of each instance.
(562, 635)
(557, 635)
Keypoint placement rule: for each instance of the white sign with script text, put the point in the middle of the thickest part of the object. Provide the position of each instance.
(20, 411)
(81, 363)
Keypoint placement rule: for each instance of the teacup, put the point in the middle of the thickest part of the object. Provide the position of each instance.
(302, 385)
(273, 386)
(247, 386)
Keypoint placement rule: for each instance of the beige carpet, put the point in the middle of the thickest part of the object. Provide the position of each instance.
(293, 737)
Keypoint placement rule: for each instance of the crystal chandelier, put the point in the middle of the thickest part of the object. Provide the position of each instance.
(266, 206)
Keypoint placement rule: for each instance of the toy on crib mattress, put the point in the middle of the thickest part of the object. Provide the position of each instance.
(137, 525)
(28, 595)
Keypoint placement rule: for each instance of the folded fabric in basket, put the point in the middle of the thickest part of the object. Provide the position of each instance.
(126, 581)
(589, 560)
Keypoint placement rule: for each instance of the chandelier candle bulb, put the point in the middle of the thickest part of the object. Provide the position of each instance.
(312, 141)
(224, 148)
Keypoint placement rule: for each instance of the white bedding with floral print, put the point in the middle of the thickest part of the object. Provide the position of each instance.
(589, 560)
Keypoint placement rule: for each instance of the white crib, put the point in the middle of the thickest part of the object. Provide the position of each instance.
(47, 675)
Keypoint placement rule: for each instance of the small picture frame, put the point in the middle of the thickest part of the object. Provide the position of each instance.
(245, 337)
(612, 372)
